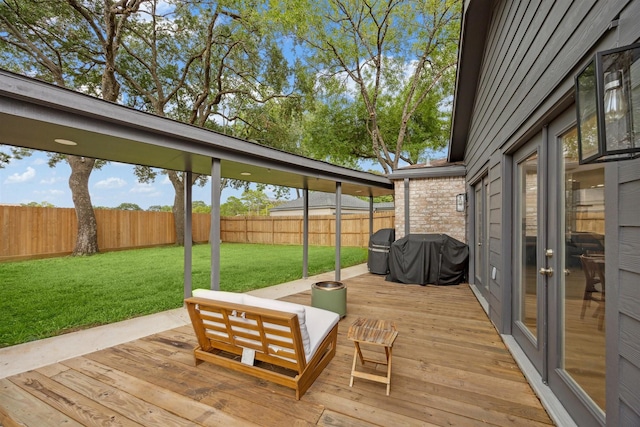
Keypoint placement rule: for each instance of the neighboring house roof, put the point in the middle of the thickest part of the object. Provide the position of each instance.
(473, 34)
(384, 206)
(318, 200)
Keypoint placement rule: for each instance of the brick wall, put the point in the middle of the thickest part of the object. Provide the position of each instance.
(432, 207)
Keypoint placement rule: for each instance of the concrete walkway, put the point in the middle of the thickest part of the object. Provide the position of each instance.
(35, 354)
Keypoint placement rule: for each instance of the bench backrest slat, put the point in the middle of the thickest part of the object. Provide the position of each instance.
(274, 335)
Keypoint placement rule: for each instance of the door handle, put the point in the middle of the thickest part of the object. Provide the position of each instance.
(546, 272)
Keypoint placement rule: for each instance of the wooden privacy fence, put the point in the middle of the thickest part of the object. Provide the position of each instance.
(34, 232)
(288, 230)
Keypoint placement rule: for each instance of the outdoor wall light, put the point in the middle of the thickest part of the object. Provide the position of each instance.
(461, 201)
(608, 106)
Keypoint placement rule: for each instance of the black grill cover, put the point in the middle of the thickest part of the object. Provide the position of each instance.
(379, 245)
(423, 259)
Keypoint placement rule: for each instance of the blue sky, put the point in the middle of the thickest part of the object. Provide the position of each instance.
(32, 180)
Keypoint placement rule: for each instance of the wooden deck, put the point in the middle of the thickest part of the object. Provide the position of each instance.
(449, 368)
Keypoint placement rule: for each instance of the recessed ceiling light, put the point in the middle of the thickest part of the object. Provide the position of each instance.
(245, 173)
(65, 141)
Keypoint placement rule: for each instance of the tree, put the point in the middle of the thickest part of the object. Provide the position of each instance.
(256, 202)
(9, 153)
(378, 199)
(158, 208)
(211, 65)
(39, 205)
(334, 133)
(198, 206)
(233, 207)
(72, 44)
(398, 56)
(128, 207)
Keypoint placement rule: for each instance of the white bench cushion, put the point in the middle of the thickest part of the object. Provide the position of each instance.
(287, 307)
(319, 324)
(233, 297)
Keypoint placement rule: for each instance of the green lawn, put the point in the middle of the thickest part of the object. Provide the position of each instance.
(43, 298)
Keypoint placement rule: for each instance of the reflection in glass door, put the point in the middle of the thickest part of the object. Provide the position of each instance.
(527, 231)
(583, 284)
(577, 294)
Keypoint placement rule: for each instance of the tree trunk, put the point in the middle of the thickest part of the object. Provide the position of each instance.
(177, 179)
(87, 239)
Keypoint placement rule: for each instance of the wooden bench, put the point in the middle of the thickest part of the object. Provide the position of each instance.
(242, 332)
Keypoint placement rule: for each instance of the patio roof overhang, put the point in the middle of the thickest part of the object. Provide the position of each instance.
(476, 17)
(34, 113)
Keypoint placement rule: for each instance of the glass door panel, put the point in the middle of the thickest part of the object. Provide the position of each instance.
(481, 239)
(527, 233)
(582, 325)
(577, 293)
(479, 230)
(529, 239)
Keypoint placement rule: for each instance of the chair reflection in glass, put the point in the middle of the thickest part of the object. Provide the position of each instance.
(593, 268)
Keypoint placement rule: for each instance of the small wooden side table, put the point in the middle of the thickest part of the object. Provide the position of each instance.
(376, 333)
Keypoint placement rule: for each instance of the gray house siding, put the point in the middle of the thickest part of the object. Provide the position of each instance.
(628, 292)
(532, 51)
(495, 243)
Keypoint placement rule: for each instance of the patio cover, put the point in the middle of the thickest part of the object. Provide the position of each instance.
(423, 259)
(37, 115)
(33, 114)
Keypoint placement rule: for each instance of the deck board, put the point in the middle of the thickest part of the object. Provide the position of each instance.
(450, 367)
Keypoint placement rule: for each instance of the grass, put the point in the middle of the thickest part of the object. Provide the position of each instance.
(48, 297)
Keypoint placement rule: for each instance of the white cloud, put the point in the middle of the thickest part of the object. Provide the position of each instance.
(163, 8)
(52, 180)
(166, 180)
(39, 161)
(405, 68)
(142, 188)
(91, 90)
(49, 193)
(19, 178)
(110, 183)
